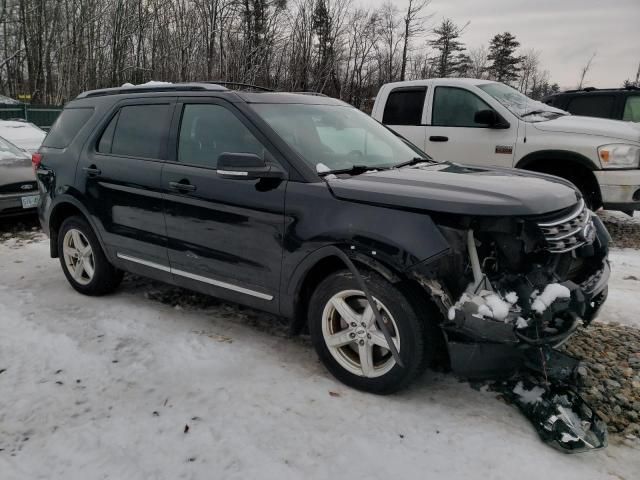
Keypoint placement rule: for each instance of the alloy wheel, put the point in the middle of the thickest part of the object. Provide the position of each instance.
(354, 340)
(78, 256)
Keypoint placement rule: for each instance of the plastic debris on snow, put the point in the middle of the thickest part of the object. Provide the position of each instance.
(552, 292)
(528, 396)
(487, 304)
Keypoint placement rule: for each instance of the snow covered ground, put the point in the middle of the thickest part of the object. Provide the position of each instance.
(105, 387)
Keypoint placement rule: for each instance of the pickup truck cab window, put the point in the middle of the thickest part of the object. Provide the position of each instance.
(456, 107)
(404, 106)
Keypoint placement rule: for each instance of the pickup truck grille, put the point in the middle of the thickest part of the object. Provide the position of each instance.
(570, 231)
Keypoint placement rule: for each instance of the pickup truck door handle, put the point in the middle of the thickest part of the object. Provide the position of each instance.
(182, 186)
(438, 138)
(92, 171)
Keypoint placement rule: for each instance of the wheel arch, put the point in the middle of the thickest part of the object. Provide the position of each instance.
(566, 164)
(322, 263)
(64, 208)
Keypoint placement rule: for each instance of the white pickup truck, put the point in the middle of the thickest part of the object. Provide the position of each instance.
(481, 122)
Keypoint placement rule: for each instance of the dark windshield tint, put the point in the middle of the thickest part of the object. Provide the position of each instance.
(67, 127)
(404, 107)
(140, 131)
(330, 137)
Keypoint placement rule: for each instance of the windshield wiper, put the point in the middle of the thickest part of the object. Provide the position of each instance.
(353, 170)
(535, 112)
(413, 161)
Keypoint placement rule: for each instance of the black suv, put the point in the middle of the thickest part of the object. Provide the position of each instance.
(305, 207)
(614, 103)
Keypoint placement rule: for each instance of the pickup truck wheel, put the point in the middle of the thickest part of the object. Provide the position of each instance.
(349, 343)
(83, 261)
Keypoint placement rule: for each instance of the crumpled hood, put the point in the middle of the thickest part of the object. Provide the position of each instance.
(458, 189)
(615, 129)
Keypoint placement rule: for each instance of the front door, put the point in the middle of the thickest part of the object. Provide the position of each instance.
(453, 135)
(224, 235)
(120, 173)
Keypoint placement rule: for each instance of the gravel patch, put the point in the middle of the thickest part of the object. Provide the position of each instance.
(624, 230)
(611, 374)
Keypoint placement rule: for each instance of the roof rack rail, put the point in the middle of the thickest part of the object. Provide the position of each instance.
(168, 87)
(315, 94)
(238, 84)
(585, 89)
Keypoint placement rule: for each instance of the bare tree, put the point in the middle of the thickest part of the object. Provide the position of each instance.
(414, 25)
(479, 62)
(585, 70)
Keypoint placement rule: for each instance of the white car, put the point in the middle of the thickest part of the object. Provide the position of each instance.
(481, 122)
(24, 135)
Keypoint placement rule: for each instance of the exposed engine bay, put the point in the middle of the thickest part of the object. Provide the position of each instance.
(516, 289)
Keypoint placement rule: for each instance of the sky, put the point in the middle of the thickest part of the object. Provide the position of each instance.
(565, 32)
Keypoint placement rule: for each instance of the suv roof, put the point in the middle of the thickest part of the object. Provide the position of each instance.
(258, 95)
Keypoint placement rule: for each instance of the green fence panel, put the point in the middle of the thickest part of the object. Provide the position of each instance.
(41, 115)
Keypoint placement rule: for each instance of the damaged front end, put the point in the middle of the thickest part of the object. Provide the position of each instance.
(511, 291)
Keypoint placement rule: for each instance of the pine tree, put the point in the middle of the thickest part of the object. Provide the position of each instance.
(505, 65)
(451, 59)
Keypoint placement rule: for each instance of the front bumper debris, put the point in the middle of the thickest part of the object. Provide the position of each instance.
(560, 416)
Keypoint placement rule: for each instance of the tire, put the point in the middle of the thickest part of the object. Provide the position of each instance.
(79, 247)
(344, 361)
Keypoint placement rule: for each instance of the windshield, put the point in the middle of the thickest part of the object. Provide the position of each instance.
(9, 150)
(333, 137)
(521, 105)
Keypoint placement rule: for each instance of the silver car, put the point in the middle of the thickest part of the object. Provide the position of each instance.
(18, 190)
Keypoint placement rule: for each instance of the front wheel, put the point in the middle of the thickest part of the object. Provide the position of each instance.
(350, 344)
(83, 261)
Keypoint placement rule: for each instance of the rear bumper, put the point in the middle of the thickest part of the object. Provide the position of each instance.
(620, 189)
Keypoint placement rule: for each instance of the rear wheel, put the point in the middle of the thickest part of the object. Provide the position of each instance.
(83, 261)
(350, 344)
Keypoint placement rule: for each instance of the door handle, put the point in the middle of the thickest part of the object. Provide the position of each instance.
(438, 138)
(92, 171)
(182, 186)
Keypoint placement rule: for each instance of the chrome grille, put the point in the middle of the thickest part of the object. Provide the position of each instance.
(570, 231)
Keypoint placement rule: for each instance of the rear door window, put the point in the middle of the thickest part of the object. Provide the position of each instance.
(67, 126)
(592, 105)
(632, 109)
(136, 131)
(404, 106)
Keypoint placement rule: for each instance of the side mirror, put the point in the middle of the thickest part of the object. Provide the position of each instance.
(491, 118)
(246, 166)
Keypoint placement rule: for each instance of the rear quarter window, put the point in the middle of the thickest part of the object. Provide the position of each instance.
(67, 126)
(592, 106)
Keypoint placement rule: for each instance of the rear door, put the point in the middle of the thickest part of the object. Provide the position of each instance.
(404, 113)
(225, 235)
(453, 135)
(120, 175)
